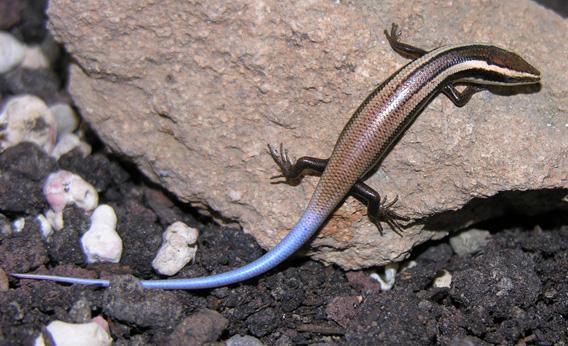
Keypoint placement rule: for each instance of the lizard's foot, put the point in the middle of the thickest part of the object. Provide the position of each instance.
(293, 172)
(389, 216)
(395, 33)
(284, 164)
(379, 210)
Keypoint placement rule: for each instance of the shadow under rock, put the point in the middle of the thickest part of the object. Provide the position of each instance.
(547, 207)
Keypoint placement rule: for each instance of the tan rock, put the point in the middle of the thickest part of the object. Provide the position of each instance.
(193, 92)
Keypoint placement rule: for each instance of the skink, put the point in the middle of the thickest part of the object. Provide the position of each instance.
(368, 136)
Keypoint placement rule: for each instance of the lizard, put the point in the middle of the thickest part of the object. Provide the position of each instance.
(374, 128)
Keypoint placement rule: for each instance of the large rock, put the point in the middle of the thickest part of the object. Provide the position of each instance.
(193, 91)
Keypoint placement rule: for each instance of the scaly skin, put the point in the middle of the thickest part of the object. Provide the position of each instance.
(368, 136)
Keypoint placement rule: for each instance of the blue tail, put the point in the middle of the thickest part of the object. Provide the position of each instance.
(298, 236)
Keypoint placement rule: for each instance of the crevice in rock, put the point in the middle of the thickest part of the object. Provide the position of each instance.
(506, 208)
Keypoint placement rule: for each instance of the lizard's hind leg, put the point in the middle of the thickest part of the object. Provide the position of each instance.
(377, 209)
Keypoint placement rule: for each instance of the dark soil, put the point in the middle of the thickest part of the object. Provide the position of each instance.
(514, 291)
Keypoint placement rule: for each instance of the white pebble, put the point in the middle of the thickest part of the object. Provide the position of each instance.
(65, 117)
(408, 265)
(26, 118)
(64, 187)
(67, 143)
(101, 243)
(94, 333)
(389, 278)
(18, 225)
(12, 52)
(34, 58)
(55, 219)
(178, 249)
(44, 226)
(443, 279)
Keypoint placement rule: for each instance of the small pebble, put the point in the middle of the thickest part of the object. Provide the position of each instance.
(64, 187)
(55, 219)
(65, 117)
(94, 333)
(12, 52)
(44, 226)
(178, 249)
(443, 279)
(34, 58)
(389, 277)
(67, 143)
(18, 225)
(101, 243)
(469, 242)
(26, 118)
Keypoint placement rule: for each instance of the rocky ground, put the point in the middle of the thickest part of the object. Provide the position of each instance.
(511, 288)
